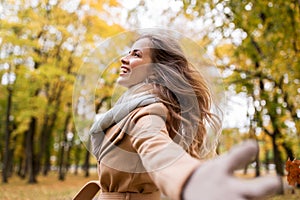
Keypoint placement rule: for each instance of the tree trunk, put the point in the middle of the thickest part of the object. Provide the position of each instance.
(22, 170)
(62, 160)
(77, 157)
(267, 161)
(257, 166)
(56, 100)
(6, 159)
(45, 144)
(61, 167)
(47, 164)
(42, 143)
(277, 156)
(10, 166)
(86, 166)
(68, 159)
(289, 151)
(30, 151)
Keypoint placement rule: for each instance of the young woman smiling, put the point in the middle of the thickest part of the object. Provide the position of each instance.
(154, 140)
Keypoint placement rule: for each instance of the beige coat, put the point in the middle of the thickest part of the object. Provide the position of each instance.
(137, 157)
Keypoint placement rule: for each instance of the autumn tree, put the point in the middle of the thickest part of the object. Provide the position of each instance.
(43, 45)
(258, 51)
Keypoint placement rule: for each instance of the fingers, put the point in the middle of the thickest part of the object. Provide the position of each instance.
(240, 155)
(260, 187)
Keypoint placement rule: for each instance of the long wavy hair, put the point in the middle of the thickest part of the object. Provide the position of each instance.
(186, 94)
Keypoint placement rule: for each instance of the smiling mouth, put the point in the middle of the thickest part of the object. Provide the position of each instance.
(124, 70)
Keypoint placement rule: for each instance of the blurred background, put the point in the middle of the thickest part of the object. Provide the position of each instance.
(254, 44)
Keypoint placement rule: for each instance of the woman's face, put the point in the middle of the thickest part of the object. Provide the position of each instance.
(136, 66)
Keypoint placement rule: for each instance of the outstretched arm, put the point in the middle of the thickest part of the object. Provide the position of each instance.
(214, 179)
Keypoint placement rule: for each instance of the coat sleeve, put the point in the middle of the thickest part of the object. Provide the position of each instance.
(167, 163)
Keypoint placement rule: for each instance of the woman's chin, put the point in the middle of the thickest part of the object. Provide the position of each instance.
(122, 82)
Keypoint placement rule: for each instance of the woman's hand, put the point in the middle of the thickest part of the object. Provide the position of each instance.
(214, 179)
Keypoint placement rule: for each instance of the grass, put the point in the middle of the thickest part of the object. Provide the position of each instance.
(49, 188)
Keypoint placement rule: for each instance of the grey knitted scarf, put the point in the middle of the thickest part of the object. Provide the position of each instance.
(136, 96)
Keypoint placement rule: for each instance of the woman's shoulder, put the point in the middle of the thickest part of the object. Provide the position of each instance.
(153, 109)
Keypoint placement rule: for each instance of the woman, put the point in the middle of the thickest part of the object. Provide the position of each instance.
(154, 139)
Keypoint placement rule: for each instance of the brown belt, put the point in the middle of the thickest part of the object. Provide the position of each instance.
(128, 196)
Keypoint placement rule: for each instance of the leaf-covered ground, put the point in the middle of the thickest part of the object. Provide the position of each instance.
(50, 188)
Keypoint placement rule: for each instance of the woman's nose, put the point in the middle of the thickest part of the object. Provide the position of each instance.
(124, 60)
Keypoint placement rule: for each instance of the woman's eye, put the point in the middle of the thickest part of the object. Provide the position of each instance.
(134, 53)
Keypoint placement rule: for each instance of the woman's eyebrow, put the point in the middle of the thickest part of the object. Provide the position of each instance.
(136, 50)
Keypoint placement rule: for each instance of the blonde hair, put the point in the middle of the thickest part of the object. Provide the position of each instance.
(185, 93)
